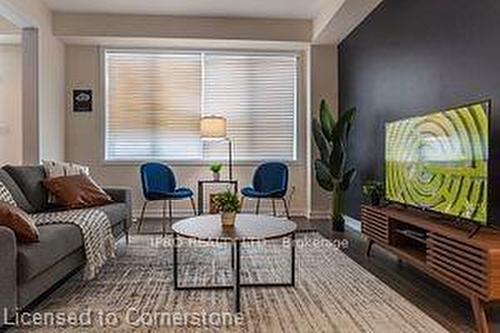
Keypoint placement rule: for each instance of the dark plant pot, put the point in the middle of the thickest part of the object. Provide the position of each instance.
(338, 224)
(372, 199)
(375, 199)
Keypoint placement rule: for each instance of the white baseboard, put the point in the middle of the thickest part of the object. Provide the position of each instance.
(154, 212)
(353, 223)
(318, 215)
(180, 213)
(324, 215)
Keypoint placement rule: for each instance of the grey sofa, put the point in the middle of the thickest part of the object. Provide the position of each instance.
(27, 270)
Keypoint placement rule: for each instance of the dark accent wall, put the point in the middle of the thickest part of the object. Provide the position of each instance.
(410, 57)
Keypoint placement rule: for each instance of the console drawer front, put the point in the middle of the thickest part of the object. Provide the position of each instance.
(375, 224)
(459, 263)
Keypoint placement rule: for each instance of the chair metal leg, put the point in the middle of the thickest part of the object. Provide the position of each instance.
(163, 220)
(241, 205)
(170, 212)
(194, 206)
(286, 208)
(257, 207)
(274, 207)
(141, 218)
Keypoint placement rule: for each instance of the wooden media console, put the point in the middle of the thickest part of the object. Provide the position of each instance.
(470, 266)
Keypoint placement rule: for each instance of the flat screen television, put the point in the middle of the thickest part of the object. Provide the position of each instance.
(439, 162)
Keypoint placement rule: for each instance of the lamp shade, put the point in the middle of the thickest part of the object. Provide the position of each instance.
(213, 127)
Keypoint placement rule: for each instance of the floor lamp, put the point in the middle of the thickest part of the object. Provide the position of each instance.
(215, 128)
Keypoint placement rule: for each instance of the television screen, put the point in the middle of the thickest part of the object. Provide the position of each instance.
(440, 162)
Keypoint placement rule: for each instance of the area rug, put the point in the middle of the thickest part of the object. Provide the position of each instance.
(134, 293)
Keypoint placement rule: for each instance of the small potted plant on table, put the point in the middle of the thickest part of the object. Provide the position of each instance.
(216, 168)
(373, 192)
(228, 204)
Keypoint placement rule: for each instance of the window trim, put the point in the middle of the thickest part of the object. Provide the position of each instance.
(299, 150)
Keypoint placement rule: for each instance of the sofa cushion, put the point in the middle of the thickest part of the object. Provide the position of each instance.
(116, 212)
(30, 181)
(56, 242)
(18, 221)
(55, 169)
(77, 191)
(15, 191)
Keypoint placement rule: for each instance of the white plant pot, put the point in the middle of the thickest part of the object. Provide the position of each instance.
(216, 176)
(228, 219)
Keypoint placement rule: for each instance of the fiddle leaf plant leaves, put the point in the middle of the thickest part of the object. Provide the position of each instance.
(326, 120)
(345, 122)
(331, 138)
(348, 179)
(320, 140)
(337, 159)
(323, 175)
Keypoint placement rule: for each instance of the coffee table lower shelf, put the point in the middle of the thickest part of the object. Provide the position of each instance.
(236, 268)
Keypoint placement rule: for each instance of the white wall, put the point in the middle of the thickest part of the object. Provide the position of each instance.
(323, 78)
(162, 26)
(11, 148)
(84, 141)
(29, 14)
(8, 28)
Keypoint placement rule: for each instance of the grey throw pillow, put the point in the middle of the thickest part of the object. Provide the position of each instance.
(14, 192)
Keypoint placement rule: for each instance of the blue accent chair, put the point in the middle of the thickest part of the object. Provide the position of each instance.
(158, 184)
(270, 181)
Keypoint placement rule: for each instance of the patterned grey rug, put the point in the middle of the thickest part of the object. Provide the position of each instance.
(134, 293)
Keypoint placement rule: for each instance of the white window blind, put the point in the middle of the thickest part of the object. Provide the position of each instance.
(257, 95)
(154, 102)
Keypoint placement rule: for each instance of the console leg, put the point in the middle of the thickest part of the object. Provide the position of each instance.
(478, 307)
(473, 231)
(369, 247)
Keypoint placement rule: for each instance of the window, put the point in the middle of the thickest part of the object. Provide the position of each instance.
(154, 102)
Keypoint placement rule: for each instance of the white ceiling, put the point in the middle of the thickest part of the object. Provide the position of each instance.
(296, 9)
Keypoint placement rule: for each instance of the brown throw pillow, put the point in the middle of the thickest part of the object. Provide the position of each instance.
(78, 191)
(19, 221)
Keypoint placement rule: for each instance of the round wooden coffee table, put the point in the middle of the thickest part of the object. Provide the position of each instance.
(248, 228)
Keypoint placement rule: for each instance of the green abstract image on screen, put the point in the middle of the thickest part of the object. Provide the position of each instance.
(439, 162)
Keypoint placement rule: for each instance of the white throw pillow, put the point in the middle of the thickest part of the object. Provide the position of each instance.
(61, 169)
(6, 196)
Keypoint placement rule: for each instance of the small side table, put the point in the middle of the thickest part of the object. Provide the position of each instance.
(201, 188)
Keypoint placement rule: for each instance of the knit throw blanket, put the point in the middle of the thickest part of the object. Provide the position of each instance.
(95, 227)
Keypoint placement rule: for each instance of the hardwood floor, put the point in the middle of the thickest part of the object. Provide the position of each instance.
(447, 307)
(450, 309)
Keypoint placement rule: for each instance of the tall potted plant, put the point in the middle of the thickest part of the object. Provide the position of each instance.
(332, 171)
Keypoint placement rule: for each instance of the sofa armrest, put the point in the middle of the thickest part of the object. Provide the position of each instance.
(8, 274)
(122, 195)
